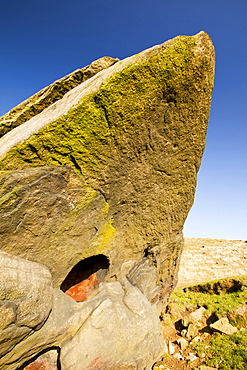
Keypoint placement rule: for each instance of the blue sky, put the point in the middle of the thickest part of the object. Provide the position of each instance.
(41, 41)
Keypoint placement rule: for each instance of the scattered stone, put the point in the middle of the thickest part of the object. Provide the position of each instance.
(166, 352)
(196, 339)
(171, 348)
(159, 366)
(184, 333)
(223, 326)
(241, 310)
(194, 317)
(191, 357)
(192, 331)
(183, 343)
(178, 356)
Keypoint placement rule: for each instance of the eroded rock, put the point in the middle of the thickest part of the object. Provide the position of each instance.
(107, 173)
(26, 295)
(50, 94)
(116, 333)
(135, 134)
(222, 325)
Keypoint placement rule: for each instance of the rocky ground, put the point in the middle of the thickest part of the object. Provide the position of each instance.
(199, 319)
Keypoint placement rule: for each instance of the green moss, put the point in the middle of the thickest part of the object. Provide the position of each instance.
(47, 96)
(9, 198)
(214, 303)
(102, 241)
(84, 137)
(79, 138)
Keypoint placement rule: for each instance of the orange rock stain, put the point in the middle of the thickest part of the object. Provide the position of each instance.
(81, 291)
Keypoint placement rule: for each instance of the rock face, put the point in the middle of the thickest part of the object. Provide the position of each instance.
(111, 329)
(97, 187)
(50, 94)
(26, 296)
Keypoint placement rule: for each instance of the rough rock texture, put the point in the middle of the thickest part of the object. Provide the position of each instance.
(136, 141)
(223, 326)
(50, 94)
(122, 332)
(97, 188)
(49, 215)
(110, 329)
(26, 296)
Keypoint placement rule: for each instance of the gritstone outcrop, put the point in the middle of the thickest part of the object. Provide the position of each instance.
(98, 185)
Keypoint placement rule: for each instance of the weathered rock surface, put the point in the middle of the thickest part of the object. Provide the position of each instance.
(26, 296)
(123, 332)
(50, 94)
(223, 326)
(194, 317)
(49, 215)
(136, 135)
(110, 329)
(97, 187)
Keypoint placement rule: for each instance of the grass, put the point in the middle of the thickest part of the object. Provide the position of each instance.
(221, 351)
(226, 352)
(220, 304)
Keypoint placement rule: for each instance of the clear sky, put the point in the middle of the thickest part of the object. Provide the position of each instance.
(42, 41)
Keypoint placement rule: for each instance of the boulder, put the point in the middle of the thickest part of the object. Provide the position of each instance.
(26, 296)
(135, 135)
(96, 187)
(112, 327)
(116, 333)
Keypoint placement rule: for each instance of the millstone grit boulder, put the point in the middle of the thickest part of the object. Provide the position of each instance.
(26, 297)
(97, 185)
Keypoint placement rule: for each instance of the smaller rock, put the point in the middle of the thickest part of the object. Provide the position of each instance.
(191, 357)
(166, 352)
(159, 366)
(183, 343)
(171, 348)
(178, 356)
(196, 339)
(203, 367)
(194, 317)
(191, 331)
(241, 310)
(184, 332)
(223, 326)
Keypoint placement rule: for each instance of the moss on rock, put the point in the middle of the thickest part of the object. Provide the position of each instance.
(138, 142)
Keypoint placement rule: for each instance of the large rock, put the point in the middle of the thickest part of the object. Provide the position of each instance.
(49, 215)
(135, 134)
(97, 187)
(113, 327)
(123, 332)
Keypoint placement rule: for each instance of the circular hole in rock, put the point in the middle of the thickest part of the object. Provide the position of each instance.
(85, 277)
